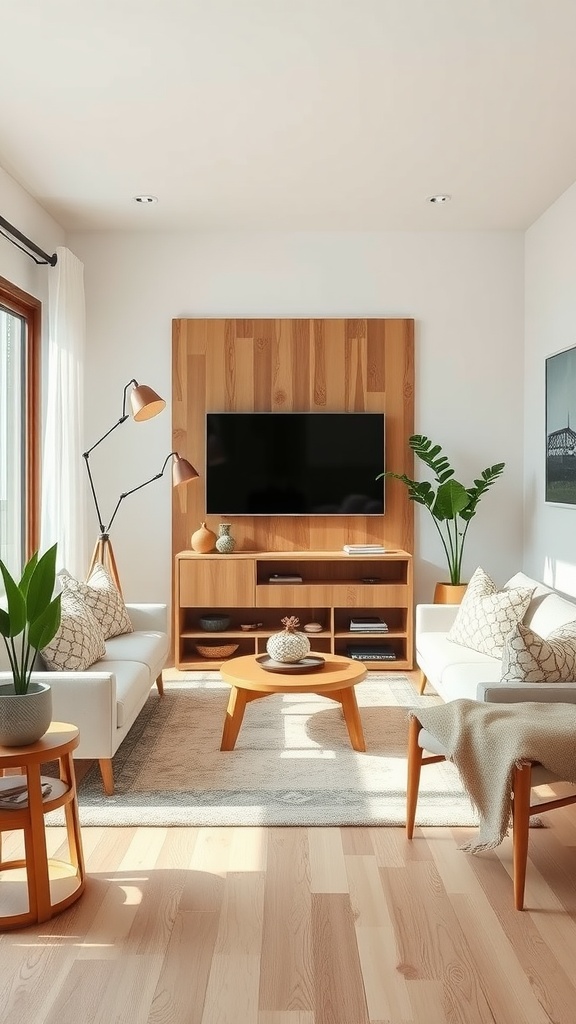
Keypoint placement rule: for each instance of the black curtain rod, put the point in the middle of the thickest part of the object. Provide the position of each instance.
(35, 250)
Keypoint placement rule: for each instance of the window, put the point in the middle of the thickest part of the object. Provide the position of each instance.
(19, 418)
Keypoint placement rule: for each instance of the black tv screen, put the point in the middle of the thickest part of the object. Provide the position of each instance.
(295, 463)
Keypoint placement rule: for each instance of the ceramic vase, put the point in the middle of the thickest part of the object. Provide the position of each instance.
(24, 717)
(289, 645)
(449, 593)
(203, 540)
(225, 544)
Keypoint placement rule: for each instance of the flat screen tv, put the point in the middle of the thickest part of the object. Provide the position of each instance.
(295, 463)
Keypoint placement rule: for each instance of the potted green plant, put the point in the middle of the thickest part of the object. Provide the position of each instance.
(451, 504)
(28, 623)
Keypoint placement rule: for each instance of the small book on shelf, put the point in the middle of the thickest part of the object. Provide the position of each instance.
(371, 652)
(285, 578)
(368, 624)
(364, 549)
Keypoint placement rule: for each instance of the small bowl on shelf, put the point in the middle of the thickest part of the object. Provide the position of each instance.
(214, 623)
(216, 650)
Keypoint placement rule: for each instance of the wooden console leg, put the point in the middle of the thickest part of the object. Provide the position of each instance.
(107, 774)
(160, 685)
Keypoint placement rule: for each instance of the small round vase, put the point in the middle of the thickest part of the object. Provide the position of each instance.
(225, 544)
(288, 646)
(24, 717)
(203, 540)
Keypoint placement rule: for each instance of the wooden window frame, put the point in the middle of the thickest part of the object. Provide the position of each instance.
(29, 308)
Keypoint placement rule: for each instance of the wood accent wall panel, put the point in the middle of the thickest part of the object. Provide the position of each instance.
(331, 365)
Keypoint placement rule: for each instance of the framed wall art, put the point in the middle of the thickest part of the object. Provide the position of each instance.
(561, 428)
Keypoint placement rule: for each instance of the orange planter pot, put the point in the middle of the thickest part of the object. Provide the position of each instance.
(449, 593)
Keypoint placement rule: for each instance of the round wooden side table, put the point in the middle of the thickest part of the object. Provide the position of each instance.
(36, 887)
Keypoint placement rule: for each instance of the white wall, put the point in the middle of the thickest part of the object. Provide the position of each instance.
(550, 315)
(465, 291)
(18, 207)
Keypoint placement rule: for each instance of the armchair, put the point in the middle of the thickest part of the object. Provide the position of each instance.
(525, 778)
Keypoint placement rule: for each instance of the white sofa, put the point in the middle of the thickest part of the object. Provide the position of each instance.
(105, 700)
(455, 671)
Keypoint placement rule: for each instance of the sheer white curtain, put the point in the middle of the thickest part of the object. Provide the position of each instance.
(63, 483)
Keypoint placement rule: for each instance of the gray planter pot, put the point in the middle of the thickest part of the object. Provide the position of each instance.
(24, 717)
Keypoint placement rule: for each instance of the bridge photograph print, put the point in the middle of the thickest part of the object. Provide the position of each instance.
(560, 424)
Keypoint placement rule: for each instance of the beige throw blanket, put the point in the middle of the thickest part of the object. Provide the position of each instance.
(486, 741)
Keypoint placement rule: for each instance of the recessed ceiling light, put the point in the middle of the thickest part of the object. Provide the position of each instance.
(145, 199)
(441, 198)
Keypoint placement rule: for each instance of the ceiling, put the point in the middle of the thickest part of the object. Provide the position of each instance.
(290, 114)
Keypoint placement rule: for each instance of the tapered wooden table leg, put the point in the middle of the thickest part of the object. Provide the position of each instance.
(349, 704)
(234, 715)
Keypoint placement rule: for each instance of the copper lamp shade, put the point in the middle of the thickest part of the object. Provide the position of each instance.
(145, 402)
(182, 471)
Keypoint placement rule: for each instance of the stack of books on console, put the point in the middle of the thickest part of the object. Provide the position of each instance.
(371, 652)
(364, 549)
(368, 624)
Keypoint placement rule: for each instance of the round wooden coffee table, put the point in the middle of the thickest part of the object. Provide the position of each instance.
(336, 680)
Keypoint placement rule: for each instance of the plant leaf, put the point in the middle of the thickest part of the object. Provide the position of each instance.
(16, 605)
(45, 627)
(421, 493)
(451, 499)
(41, 584)
(489, 477)
(428, 452)
(28, 570)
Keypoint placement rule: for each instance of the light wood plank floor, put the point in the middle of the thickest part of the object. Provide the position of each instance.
(301, 926)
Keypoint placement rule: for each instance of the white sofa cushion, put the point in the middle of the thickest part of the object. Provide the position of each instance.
(461, 679)
(487, 615)
(146, 646)
(547, 609)
(437, 649)
(132, 679)
(528, 657)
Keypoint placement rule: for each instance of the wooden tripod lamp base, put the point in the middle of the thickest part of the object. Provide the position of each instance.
(104, 554)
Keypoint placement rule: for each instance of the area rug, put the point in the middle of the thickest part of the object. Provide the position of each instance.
(293, 763)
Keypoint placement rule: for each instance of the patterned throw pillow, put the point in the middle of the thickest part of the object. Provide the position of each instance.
(527, 657)
(101, 596)
(79, 641)
(487, 615)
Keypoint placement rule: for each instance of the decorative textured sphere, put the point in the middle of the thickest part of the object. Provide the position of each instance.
(289, 645)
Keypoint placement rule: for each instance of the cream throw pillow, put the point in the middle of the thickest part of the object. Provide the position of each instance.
(102, 597)
(487, 615)
(527, 657)
(79, 641)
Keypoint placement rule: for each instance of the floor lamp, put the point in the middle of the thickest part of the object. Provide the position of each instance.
(145, 404)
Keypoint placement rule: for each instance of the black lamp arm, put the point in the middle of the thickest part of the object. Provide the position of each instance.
(138, 488)
(118, 423)
(86, 456)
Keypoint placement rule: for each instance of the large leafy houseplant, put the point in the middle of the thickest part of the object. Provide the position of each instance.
(451, 504)
(32, 614)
